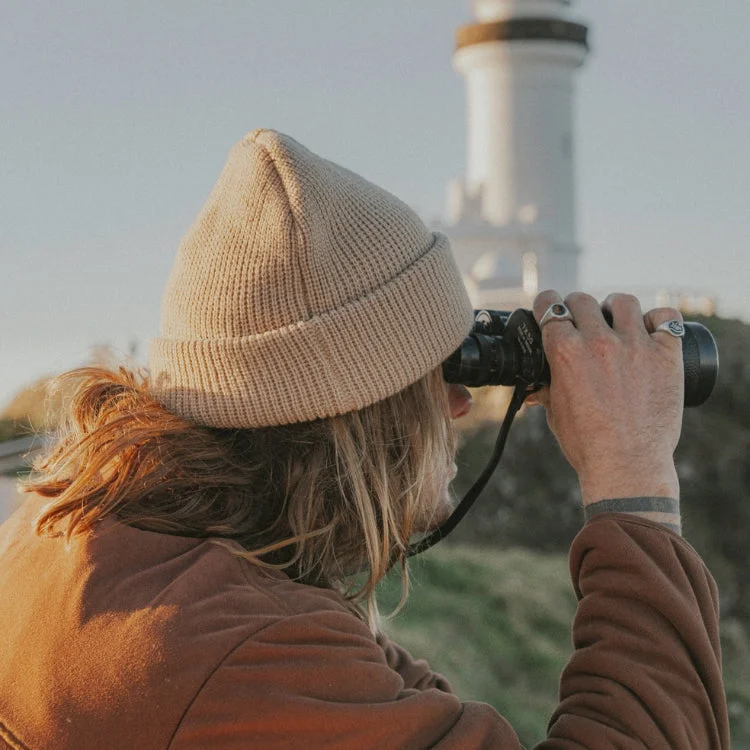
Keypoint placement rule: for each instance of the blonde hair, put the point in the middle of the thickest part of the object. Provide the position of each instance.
(322, 500)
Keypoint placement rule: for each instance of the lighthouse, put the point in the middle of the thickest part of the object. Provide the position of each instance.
(511, 218)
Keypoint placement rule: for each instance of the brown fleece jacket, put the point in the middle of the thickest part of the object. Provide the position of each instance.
(132, 639)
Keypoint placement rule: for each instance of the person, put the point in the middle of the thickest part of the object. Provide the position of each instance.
(196, 563)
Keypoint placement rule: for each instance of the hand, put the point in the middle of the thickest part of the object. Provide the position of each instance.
(615, 401)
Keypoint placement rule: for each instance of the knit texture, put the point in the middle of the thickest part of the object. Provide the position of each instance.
(301, 291)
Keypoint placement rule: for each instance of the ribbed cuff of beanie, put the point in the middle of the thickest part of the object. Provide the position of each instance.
(329, 364)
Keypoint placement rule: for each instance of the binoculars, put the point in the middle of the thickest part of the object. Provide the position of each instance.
(504, 348)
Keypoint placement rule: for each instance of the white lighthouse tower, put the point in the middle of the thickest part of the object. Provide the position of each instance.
(511, 219)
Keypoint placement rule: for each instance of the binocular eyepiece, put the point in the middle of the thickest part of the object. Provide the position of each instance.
(504, 348)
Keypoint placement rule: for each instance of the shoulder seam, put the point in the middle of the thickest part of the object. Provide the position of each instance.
(228, 655)
(232, 651)
(218, 666)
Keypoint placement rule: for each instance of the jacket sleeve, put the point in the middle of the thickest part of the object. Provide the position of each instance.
(645, 672)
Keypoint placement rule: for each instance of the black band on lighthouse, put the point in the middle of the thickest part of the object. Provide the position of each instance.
(515, 29)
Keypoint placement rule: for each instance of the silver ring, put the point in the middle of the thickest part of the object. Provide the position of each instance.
(556, 311)
(672, 327)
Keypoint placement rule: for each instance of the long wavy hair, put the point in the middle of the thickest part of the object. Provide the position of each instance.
(333, 502)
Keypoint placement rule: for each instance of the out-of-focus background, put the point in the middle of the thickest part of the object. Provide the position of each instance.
(597, 144)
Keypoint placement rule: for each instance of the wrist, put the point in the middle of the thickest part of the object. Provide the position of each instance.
(634, 481)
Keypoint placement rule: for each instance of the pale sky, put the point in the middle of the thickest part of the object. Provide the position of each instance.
(116, 118)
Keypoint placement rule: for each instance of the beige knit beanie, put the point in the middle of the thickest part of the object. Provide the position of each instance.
(302, 291)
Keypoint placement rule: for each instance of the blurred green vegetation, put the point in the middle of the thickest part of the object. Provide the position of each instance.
(497, 624)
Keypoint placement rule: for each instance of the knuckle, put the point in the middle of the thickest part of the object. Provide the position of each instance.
(575, 298)
(546, 293)
(603, 343)
(623, 305)
(626, 300)
(544, 299)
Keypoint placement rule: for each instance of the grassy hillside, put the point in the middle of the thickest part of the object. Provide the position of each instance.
(497, 624)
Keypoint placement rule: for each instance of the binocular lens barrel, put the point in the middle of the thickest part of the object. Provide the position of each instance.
(700, 359)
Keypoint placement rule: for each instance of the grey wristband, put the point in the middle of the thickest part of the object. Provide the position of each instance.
(639, 505)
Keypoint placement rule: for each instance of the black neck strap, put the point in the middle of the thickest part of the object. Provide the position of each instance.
(519, 394)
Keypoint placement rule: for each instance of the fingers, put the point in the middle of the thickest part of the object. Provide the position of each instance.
(619, 313)
(624, 314)
(543, 301)
(554, 329)
(660, 315)
(587, 312)
(653, 318)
